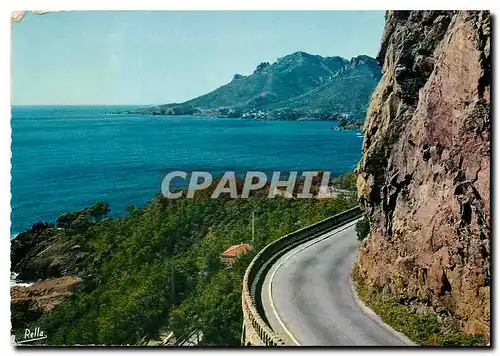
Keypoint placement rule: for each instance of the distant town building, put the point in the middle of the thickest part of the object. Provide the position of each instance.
(229, 256)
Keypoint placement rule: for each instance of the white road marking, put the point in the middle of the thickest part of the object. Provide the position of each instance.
(273, 307)
(375, 317)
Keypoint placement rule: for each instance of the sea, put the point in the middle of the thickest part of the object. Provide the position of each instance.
(65, 158)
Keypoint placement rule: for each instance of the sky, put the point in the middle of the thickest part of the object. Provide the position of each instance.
(158, 57)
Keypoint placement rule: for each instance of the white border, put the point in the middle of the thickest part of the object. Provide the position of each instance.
(5, 130)
(247, 5)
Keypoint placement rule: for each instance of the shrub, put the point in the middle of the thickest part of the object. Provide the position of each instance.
(158, 268)
(423, 328)
(363, 228)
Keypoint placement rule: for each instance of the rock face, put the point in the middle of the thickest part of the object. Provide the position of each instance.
(29, 303)
(42, 253)
(424, 178)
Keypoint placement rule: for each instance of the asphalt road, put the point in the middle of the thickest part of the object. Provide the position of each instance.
(308, 299)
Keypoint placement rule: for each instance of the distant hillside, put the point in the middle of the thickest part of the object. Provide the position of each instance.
(297, 86)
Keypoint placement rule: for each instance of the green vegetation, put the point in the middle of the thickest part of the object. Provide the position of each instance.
(158, 268)
(425, 328)
(345, 181)
(297, 86)
(349, 124)
(363, 228)
(81, 219)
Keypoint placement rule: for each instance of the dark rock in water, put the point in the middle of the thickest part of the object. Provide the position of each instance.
(40, 254)
(349, 124)
(24, 242)
(56, 259)
(45, 251)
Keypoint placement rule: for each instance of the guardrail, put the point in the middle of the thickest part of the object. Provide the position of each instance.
(253, 312)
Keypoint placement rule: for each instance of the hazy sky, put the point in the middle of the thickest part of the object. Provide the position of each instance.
(125, 58)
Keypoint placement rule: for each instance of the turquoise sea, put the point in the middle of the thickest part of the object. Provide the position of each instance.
(66, 158)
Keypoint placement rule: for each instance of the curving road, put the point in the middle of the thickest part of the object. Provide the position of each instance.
(308, 298)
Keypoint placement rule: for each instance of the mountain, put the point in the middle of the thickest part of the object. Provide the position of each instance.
(296, 86)
(424, 177)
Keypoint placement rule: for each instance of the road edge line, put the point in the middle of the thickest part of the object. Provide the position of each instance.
(376, 318)
(271, 278)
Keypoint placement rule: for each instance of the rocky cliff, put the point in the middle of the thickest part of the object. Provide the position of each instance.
(28, 304)
(424, 178)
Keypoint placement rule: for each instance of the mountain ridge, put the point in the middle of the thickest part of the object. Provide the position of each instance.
(295, 86)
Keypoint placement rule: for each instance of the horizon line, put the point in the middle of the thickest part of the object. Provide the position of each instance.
(47, 105)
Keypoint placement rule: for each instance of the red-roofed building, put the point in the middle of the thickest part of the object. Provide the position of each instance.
(229, 256)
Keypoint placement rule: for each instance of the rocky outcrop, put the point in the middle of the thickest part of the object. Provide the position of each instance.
(424, 178)
(238, 76)
(28, 304)
(47, 252)
(56, 260)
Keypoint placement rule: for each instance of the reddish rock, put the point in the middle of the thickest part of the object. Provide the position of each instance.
(424, 178)
(29, 303)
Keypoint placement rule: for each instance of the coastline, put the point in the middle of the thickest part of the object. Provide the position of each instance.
(342, 124)
(17, 283)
